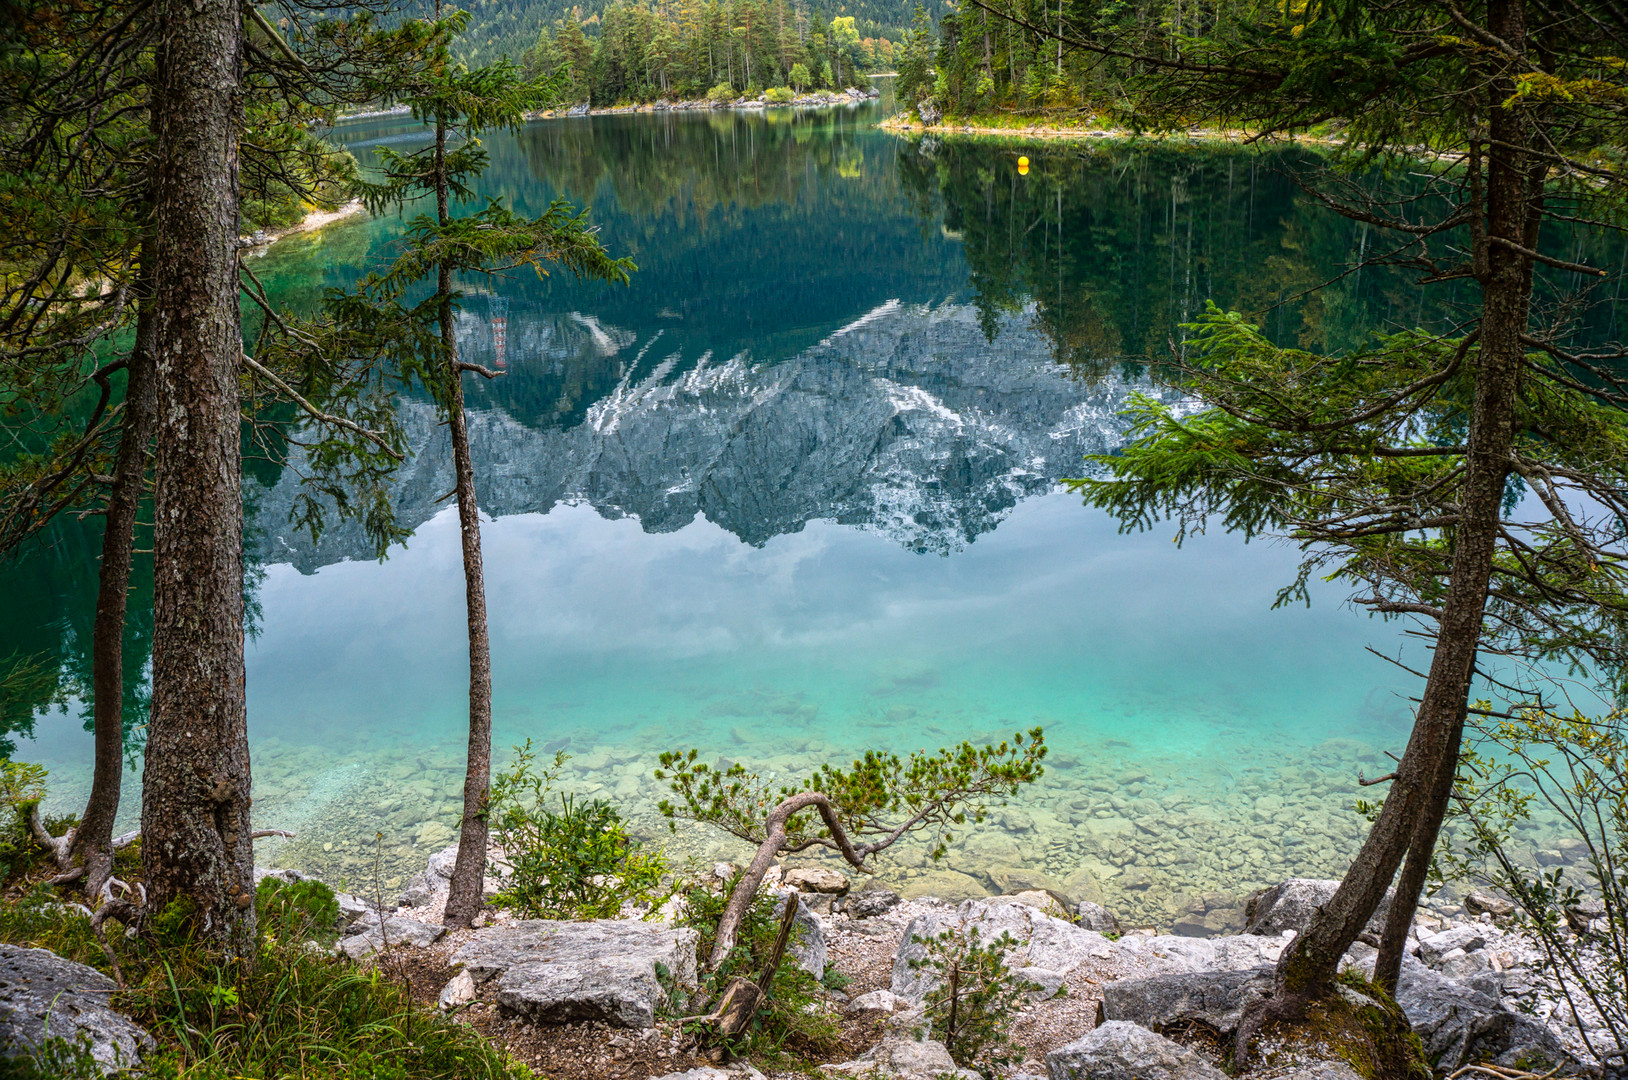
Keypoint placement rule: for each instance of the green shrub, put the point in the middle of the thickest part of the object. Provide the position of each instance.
(575, 863)
(301, 911)
(293, 1014)
(836, 980)
(22, 785)
(721, 93)
(779, 95)
(976, 998)
(799, 76)
(794, 1020)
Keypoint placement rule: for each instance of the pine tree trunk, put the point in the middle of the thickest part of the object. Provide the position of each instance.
(1514, 211)
(93, 840)
(195, 798)
(469, 871)
(1412, 813)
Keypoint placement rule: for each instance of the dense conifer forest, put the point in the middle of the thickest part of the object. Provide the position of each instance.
(635, 52)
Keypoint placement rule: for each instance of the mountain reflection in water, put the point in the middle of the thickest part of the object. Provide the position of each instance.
(792, 495)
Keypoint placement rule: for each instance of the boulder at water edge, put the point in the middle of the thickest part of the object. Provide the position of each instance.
(873, 900)
(1291, 905)
(1122, 1051)
(1459, 1025)
(1216, 999)
(43, 997)
(432, 882)
(1047, 948)
(616, 971)
(817, 879)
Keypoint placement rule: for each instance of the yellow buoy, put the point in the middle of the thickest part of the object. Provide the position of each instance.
(1023, 166)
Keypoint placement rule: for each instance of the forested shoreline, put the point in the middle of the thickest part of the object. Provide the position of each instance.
(642, 53)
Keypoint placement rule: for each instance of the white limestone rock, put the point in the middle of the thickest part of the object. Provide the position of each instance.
(613, 970)
(1123, 1051)
(44, 997)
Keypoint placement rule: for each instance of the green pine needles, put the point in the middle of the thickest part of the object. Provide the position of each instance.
(881, 796)
(1360, 458)
(975, 997)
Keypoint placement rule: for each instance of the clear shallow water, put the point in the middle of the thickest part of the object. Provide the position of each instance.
(795, 494)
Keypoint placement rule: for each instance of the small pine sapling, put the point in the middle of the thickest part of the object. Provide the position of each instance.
(855, 812)
(975, 997)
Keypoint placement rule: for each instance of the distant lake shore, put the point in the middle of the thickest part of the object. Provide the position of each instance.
(1042, 127)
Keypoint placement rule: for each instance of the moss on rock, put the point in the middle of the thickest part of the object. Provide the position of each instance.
(1362, 1027)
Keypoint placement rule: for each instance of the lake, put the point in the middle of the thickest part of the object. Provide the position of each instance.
(795, 493)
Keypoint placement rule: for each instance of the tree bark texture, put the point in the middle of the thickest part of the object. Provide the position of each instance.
(469, 871)
(196, 844)
(93, 841)
(1513, 212)
(1415, 805)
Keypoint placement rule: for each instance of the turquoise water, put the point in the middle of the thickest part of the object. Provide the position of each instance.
(796, 494)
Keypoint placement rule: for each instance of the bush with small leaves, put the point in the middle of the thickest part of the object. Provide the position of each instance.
(577, 862)
(722, 93)
(779, 95)
(1575, 768)
(975, 999)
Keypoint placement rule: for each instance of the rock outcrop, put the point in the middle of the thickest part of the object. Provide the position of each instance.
(44, 997)
(1459, 1026)
(1047, 948)
(1123, 1051)
(618, 972)
(372, 933)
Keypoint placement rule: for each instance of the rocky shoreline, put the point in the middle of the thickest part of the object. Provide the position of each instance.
(260, 239)
(1473, 987)
(600, 998)
(821, 99)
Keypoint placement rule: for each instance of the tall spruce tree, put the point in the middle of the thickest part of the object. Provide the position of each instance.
(196, 846)
(419, 338)
(1401, 467)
